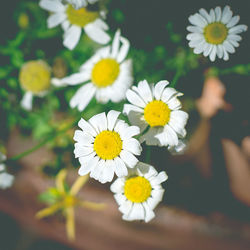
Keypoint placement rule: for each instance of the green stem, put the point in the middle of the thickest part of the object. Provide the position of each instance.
(178, 74)
(148, 155)
(42, 143)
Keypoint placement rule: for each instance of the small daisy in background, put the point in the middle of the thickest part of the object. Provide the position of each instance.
(35, 80)
(63, 199)
(157, 108)
(74, 20)
(215, 33)
(105, 146)
(107, 75)
(6, 180)
(139, 193)
(77, 4)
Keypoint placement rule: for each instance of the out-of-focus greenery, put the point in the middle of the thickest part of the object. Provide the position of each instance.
(29, 39)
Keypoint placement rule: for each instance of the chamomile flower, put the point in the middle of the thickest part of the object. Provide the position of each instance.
(139, 192)
(6, 180)
(215, 33)
(77, 4)
(74, 20)
(34, 78)
(105, 146)
(158, 108)
(107, 73)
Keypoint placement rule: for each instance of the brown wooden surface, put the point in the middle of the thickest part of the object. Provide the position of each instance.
(172, 228)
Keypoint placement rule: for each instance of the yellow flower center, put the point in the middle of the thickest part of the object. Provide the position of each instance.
(35, 76)
(157, 113)
(108, 145)
(137, 189)
(215, 33)
(69, 201)
(105, 72)
(80, 17)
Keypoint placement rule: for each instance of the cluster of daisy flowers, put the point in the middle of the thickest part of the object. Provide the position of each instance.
(106, 146)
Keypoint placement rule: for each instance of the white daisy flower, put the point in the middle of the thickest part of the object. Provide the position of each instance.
(6, 180)
(139, 193)
(77, 4)
(158, 108)
(105, 146)
(74, 20)
(34, 78)
(215, 33)
(107, 73)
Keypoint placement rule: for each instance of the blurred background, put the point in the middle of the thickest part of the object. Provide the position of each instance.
(207, 199)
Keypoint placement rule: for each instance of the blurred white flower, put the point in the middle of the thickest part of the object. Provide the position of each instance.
(6, 180)
(158, 108)
(215, 33)
(77, 4)
(105, 146)
(34, 78)
(139, 193)
(74, 20)
(107, 73)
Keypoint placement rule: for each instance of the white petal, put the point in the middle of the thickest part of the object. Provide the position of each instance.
(219, 51)
(55, 19)
(86, 127)
(195, 29)
(233, 21)
(108, 172)
(6, 180)
(120, 198)
(82, 97)
(26, 101)
(87, 164)
(204, 13)
(52, 5)
(96, 171)
(137, 212)
(226, 15)
(226, 56)
(83, 138)
(72, 37)
(174, 103)
(129, 132)
(217, 14)
(65, 25)
(86, 158)
(112, 118)
(207, 51)
(144, 91)
(115, 44)
(126, 207)
(123, 50)
(96, 33)
(213, 53)
(161, 177)
(168, 93)
(132, 145)
(73, 79)
(128, 158)
(82, 150)
(167, 137)
(158, 89)
(120, 168)
(228, 47)
(99, 122)
(198, 20)
(212, 15)
(178, 120)
(149, 214)
(135, 99)
(237, 29)
(117, 186)
(157, 194)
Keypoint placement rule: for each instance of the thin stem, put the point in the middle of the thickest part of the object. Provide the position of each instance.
(148, 155)
(178, 74)
(42, 143)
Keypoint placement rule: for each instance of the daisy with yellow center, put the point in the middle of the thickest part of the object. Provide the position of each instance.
(34, 78)
(215, 33)
(139, 192)
(63, 200)
(105, 146)
(107, 75)
(157, 108)
(75, 16)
